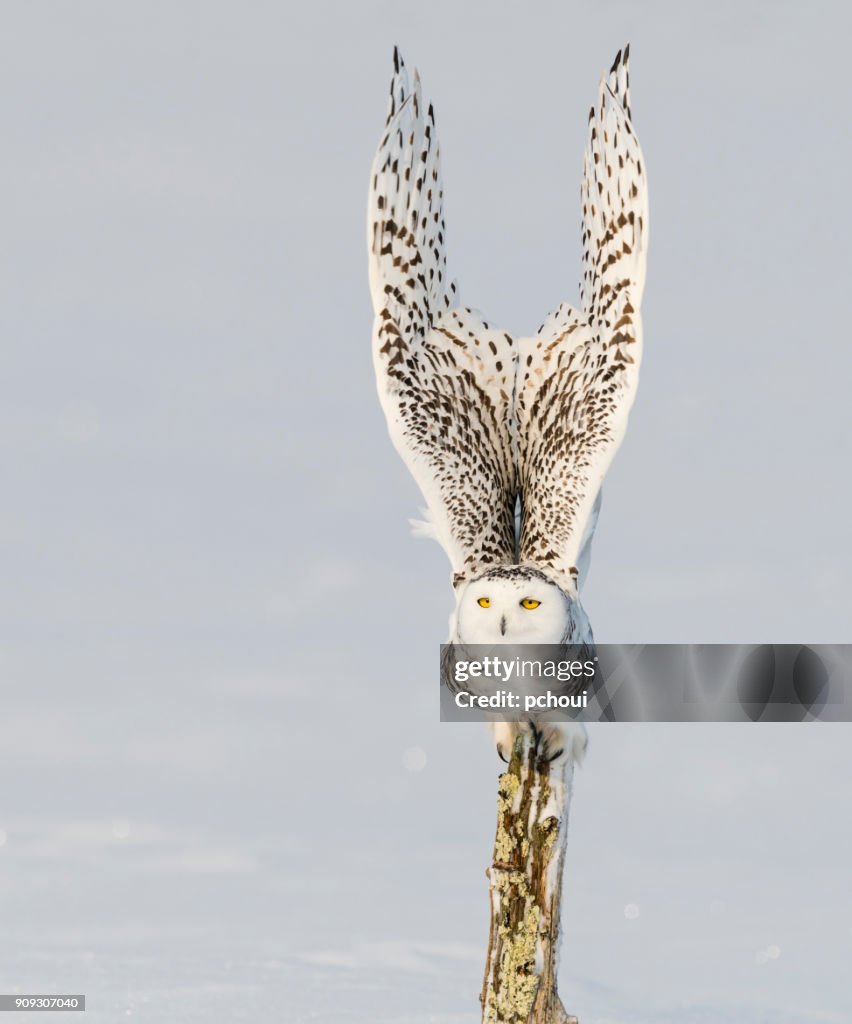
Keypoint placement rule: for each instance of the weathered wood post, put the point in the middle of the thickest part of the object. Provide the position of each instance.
(525, 888)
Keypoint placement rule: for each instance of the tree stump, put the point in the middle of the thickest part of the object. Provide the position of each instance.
(525, 887)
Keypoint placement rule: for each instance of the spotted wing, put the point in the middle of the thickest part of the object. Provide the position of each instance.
(445, 376)
(577, 377)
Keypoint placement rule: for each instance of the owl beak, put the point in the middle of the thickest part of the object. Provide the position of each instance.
(503, 626)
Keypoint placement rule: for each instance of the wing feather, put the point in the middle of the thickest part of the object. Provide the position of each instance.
(614, 199)
(478, 417)
(445, 376)
(578, 376)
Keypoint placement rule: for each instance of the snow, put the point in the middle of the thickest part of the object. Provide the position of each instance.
(181, 890)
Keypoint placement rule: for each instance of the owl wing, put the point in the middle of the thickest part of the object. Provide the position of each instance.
(445, 376)
(577, 377)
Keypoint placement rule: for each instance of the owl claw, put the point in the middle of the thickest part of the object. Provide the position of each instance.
(552, 740)
(549, 742)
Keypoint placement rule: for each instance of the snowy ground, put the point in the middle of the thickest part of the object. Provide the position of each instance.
(167, 859)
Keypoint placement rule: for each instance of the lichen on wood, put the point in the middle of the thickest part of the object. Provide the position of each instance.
(525, 886)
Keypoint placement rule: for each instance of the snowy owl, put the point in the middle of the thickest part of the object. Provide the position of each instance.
(508, 438)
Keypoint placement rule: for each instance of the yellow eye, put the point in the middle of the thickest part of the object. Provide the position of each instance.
(530, 603)
(484, 602)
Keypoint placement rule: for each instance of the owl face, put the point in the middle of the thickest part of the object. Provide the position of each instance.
(513, 605)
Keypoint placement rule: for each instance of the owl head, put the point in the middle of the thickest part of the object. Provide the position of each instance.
(517, 604)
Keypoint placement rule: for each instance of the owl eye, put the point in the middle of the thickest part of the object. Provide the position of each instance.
(530, 603)
(484, 602)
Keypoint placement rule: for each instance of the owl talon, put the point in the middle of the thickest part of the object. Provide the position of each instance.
(505, 734)
(543, 739)
(549, 742)
(553, 740)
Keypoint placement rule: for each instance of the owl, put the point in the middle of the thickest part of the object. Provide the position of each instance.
(508, 438)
